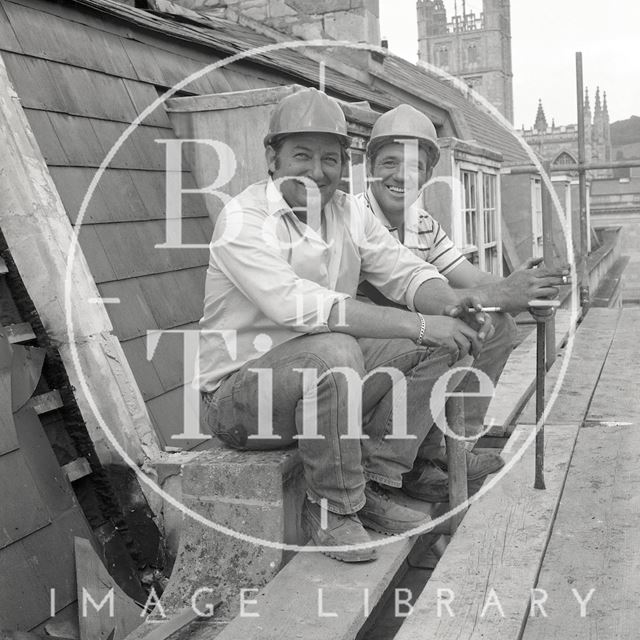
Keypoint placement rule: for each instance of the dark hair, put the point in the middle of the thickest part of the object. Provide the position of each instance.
(374, 149)
(278, 141)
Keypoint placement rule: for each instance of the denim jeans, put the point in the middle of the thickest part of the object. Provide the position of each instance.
(490, 361)
(336, 468)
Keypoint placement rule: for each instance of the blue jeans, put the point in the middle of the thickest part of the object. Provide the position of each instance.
(490, 361)
(336, 468)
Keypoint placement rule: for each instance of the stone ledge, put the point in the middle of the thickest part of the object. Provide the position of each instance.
(257, 494)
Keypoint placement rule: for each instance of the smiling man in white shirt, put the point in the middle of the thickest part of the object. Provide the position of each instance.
(283, 337)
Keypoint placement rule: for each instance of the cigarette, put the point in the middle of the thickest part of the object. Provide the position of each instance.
(536, 304)
(486, 310)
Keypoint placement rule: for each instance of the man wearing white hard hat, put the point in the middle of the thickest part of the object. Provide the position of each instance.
(283, 336)
(401, 154)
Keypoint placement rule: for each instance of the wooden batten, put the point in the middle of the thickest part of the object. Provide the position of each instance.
(45, 402)
(40, 237)
(21, 332)
(76, 469)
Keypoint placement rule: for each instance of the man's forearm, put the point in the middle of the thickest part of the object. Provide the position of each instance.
(499, 294)
(361, 319)
(434, 297)
(467, 279)
(514, 292)
(490, 294)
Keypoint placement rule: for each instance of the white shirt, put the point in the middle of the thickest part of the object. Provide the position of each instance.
(272, 277)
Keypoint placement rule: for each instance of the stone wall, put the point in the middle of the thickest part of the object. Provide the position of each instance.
(351, 20)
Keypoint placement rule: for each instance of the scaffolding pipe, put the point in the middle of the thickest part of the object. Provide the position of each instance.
(563, 168)
(541, 370)
(582, 180)
(548, 254)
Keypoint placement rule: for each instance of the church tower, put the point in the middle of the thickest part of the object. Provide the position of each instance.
(475, 48)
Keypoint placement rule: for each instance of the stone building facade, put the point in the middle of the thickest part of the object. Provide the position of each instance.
(559, 144)
(475, 48)
(351, 20)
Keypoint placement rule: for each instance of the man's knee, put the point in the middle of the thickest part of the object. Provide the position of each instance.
(339, 350)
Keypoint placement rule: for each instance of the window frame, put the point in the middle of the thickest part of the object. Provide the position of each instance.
(485, 178)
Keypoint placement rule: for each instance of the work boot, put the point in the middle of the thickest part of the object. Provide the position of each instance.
(479, 465)
(340, 530)
(429, 482)
(426, 482)
(382, 514)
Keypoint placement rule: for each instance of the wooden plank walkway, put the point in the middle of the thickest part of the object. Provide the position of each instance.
(524, 560)
(496, 551)
(595, 544)
(517, 381)
(586, 359)
(594, 551)
(618, 395)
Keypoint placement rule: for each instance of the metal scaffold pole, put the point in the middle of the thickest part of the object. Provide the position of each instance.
(549, 257)
(541, 370)
(582, 181)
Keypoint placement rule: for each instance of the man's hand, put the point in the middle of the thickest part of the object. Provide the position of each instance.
(454, 335)
(469, 309)
(531, 283)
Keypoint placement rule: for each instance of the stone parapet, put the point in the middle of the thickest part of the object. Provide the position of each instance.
(256, 496)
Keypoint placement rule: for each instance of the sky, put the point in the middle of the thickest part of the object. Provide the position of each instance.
(545, 35)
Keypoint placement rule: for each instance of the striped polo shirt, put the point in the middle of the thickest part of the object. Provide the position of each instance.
(423, 235)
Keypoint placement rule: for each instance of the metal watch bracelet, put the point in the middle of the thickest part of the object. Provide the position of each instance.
(423, 328)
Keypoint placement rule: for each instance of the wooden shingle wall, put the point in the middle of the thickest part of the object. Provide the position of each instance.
(82, 78)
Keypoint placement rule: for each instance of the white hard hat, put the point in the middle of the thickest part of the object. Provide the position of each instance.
(404, 122)
(307, 111)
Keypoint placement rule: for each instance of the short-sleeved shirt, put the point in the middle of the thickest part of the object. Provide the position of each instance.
(423, 235)
(272, 277)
